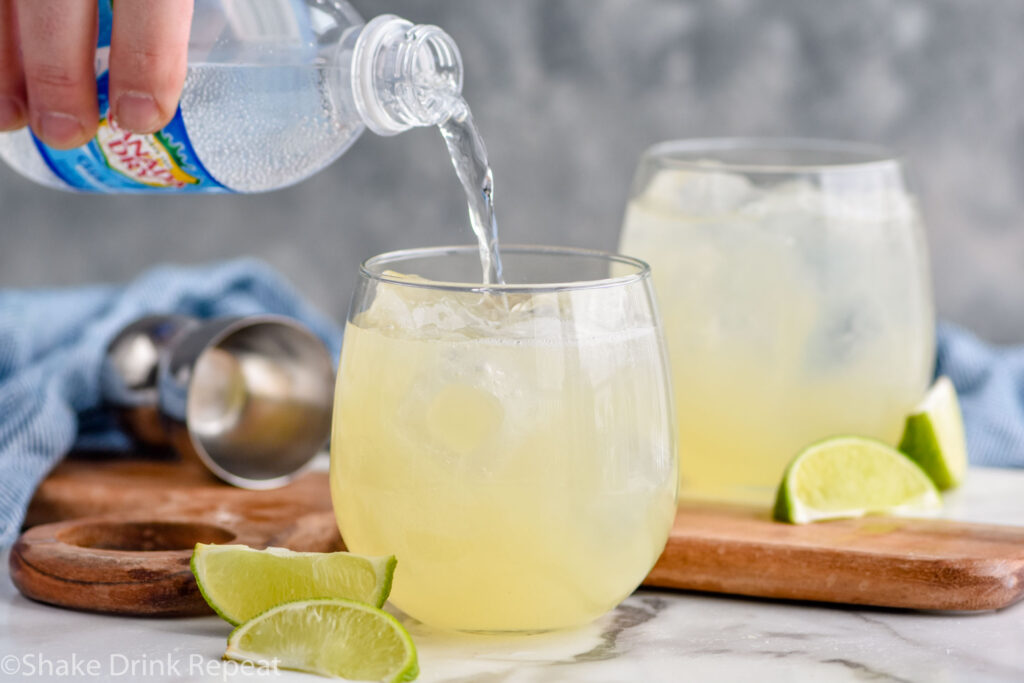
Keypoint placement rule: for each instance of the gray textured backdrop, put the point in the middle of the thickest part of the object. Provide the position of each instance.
(568, 93)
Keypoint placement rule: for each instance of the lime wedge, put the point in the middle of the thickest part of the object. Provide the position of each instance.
(934, 436)
(339, 638)
(850, 476)
(240, 582)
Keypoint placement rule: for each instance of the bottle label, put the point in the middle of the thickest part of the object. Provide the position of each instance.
(117, 160)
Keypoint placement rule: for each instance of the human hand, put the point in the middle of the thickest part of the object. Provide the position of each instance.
(47, 72)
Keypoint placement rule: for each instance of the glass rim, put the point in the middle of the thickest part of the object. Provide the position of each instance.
(642, 270)
(861, 156)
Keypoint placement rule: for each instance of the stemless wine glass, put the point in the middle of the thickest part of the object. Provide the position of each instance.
(511, 444)
(793, 280)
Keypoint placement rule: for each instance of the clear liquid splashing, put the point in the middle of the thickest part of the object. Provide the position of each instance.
(469, 157)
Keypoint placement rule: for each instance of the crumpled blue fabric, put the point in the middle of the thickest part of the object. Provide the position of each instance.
(52, 344)
(989, 381)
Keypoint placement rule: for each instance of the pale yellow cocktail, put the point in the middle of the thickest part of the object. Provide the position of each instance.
(795, 299)
(513, 451)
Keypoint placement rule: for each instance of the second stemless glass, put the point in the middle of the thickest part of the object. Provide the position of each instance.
(512, 445)
(793, 280)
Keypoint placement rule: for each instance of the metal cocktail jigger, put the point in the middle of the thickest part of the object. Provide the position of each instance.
(249, 397)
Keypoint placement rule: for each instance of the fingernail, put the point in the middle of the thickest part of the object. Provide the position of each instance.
(137, 112)
(12, 113)
(57, 128)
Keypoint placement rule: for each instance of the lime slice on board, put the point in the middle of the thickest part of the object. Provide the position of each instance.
(240, 582)
(934, 436)
(339, 638)
(850, 476)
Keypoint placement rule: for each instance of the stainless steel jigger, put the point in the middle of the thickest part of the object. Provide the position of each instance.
(249, 397)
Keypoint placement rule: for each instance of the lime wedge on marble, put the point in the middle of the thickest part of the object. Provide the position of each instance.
(934, 436)
(851, 476)
(240, 582)
(335, 638)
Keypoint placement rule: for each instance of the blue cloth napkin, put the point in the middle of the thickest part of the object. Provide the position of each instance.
(52, 343)
(989, 381)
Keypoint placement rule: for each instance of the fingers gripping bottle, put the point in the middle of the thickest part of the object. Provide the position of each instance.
(276, 90)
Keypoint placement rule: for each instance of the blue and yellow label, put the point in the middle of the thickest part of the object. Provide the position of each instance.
(117, 160)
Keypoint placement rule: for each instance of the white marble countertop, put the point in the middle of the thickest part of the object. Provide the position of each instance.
(653, 636)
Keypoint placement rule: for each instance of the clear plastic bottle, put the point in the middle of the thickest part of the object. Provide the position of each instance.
(276, 90)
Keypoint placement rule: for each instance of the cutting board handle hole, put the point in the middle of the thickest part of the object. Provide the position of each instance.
(143, 536)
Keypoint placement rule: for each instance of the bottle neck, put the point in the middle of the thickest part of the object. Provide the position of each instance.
(405, 75)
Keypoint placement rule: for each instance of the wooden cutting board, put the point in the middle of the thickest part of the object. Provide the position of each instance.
(116, 536)
(880, 561)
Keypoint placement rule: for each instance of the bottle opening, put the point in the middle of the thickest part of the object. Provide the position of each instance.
(405, 75)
